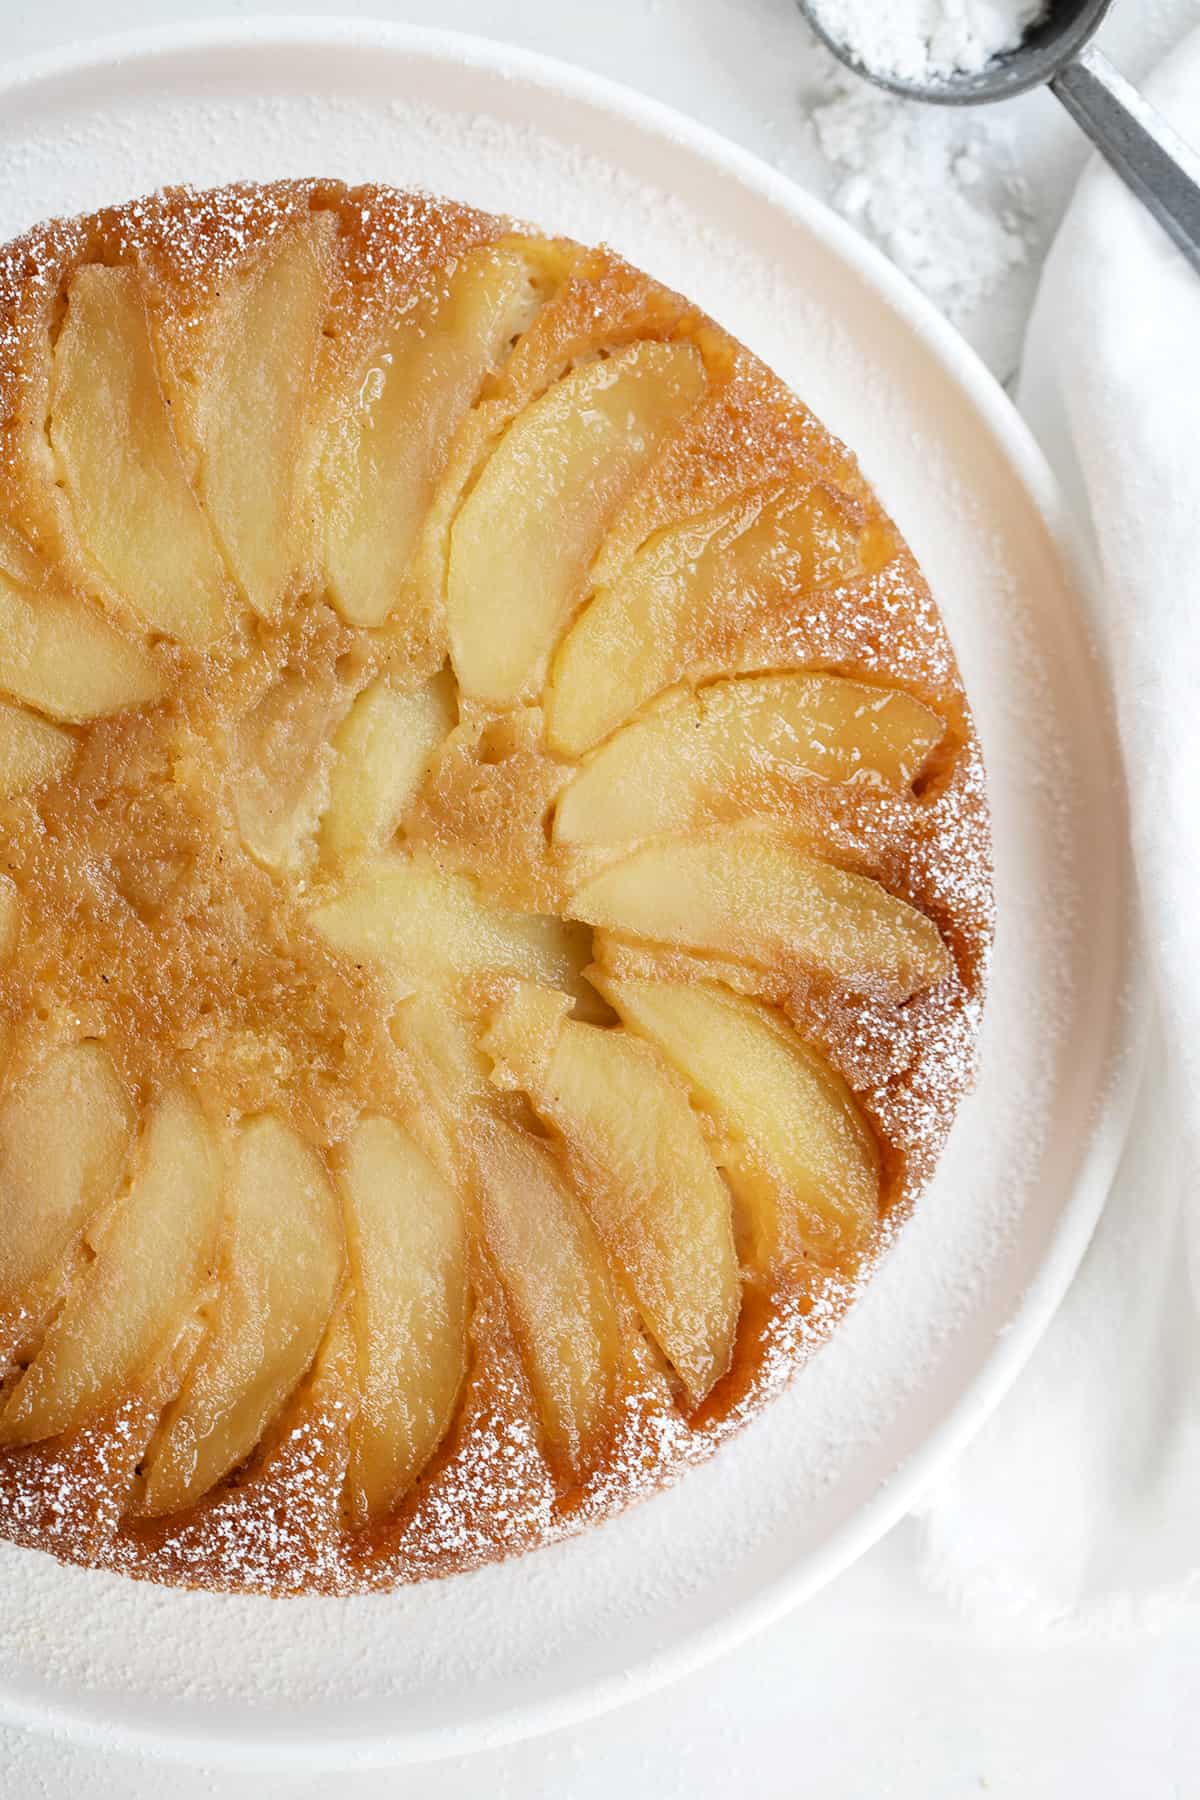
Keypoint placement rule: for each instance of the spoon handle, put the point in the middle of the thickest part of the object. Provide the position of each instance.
(1145, 151)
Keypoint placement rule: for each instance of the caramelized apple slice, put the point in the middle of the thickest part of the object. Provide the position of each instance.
(381, 752)
(282, 1271)
(640, 1164)
(60, 655)
(10, 917)
(32, 750)
(739, 746)
(798, 1153)
(383, 460)
(252, 411)
(408, 1260)
(750, 894)
(546, 1253)
(690, 595)
(151, 1261)
(426, 927)
(125, 481)
(64, 1136)
(522, 543)
(558, 1288)
(443, 1048)
(283, 760)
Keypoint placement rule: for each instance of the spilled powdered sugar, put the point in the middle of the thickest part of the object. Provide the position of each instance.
(935, 187)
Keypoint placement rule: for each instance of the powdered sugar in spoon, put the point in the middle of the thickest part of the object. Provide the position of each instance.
(1056, 50)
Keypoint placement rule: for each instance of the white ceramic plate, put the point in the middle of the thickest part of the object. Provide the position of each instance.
(961, 1301)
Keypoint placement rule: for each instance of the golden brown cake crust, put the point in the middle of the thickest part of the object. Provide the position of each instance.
(280, 1522)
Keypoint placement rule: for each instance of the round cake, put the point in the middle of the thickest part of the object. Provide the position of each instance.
(494, 886)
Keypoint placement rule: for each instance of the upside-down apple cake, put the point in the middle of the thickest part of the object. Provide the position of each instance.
(494, 887)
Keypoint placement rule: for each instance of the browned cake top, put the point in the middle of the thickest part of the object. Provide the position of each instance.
(494, 890)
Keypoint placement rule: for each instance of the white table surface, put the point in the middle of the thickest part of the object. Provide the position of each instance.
(876, 1689)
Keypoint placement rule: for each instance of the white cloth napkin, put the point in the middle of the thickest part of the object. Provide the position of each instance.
(1079, 1503)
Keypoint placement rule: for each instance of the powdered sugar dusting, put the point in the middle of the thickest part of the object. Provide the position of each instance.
(279, 1528)
(934, 187)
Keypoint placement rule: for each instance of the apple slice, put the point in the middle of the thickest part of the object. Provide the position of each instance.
(558, 1288)
(59, 654)
(750, 894)
(741, 746)
(64, 1138)
(690, 595)
(383, 458)
(251, 410)
(382, 750)
(426, 927)
(283, 1266)
(451, 1067)
(552, 1267)
(408, 1261)
(798, 1152)
(32, 750)
(526, 535)
(283, 760)
(150, 1263)
(129, 495)
(10, 917)
(638, 1160)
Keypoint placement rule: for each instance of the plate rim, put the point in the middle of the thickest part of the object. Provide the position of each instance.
(175, 1739)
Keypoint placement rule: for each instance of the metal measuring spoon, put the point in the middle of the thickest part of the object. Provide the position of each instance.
(1145, 151)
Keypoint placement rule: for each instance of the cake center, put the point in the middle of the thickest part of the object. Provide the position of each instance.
(160, 932)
